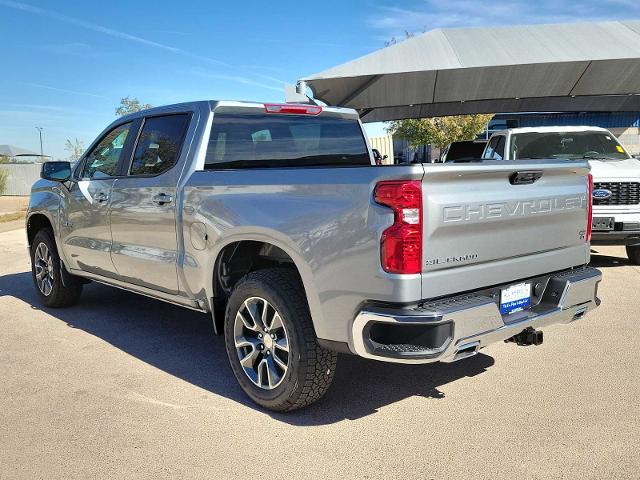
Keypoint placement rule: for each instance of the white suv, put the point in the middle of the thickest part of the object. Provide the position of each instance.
(616, 175)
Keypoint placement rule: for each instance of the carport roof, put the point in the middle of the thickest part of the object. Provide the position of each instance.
(562, 67)
(12, 151)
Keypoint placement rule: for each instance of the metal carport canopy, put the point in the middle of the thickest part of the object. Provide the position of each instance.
(12, 151)
(534, 68)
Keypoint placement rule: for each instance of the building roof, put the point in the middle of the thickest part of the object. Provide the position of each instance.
(562, 67)
(13, 151)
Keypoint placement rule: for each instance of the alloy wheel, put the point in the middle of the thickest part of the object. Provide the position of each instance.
(43, 263)
(261, 343)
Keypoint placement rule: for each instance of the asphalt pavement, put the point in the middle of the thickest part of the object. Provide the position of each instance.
(122, 386)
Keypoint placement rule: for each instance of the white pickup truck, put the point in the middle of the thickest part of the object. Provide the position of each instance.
(616, 175)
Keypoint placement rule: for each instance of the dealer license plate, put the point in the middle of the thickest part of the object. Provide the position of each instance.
(515, 298)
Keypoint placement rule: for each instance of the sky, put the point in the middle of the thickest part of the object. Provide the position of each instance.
(66, 64)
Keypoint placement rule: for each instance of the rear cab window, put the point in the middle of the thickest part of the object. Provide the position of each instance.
(261, 140)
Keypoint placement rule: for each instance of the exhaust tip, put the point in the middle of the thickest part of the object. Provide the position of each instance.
(465, 351)
(579, 313)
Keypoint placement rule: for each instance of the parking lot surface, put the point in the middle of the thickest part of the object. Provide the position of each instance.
(122, 386)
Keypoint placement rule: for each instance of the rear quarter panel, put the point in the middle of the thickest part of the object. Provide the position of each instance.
(324, 218)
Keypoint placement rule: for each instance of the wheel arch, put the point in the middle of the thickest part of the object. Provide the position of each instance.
(36, 222)
(250, 253)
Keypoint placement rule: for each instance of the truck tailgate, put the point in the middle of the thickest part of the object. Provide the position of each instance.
(482, 226)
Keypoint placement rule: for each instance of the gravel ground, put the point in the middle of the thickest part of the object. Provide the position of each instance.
(122, 386)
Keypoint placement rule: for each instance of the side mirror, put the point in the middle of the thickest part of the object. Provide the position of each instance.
(384, 157)
(56, 171)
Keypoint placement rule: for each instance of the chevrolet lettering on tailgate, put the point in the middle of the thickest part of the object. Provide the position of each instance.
(492, 210)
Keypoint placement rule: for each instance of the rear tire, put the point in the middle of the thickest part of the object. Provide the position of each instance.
(46, 273)
(633, 252)
(283, 367)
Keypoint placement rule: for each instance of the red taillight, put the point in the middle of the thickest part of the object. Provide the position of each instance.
(292, 108)
(589, 206)
(401, 244)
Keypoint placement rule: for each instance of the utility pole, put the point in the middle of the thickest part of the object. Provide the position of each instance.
(41, 152)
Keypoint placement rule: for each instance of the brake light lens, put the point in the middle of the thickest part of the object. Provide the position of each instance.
(401, 244)
(292, 108)
(589, 206)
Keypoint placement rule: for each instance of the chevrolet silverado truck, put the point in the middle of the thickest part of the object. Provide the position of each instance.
(616, 175)
(275, 221)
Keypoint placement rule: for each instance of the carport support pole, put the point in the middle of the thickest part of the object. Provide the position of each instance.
(301, 87)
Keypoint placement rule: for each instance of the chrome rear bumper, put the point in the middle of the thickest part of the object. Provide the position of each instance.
(457, 327)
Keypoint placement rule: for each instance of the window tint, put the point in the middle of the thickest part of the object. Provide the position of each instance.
(498, 153)
(245, 141)
(159, 144)
(103, 160)
(570, 145)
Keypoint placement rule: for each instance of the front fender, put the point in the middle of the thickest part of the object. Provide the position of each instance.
(45, 201)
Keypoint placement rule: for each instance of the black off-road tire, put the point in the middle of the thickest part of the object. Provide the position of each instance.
(633, 252)
(310, 367)
(60, 295)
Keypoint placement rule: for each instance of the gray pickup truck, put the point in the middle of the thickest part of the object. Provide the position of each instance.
(275, 220)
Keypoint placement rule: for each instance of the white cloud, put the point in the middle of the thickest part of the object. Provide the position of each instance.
(105, 30)
(239, 79)
(46, 108)
(64, 90)
(75, 48)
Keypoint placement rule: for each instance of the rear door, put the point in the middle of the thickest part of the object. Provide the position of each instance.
(143, 205)
(495, 222)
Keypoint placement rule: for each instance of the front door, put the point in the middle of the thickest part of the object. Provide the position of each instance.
(84, 224)
(143, 206)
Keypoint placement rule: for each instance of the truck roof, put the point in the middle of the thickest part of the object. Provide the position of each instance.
(214, 104)
(558, 129)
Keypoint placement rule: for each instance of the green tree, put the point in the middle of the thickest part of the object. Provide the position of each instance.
(439, 131)
(130, 105)
(75, 148)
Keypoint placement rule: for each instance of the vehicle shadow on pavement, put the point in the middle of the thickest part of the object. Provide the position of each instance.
(605, 261)
(181, 343)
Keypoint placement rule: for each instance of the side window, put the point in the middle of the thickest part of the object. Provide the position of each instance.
(103, 160)
(498, 153)
(488, 153)
(159, 144)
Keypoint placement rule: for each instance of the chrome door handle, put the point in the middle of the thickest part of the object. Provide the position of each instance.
(101, 197)
(162, 199)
